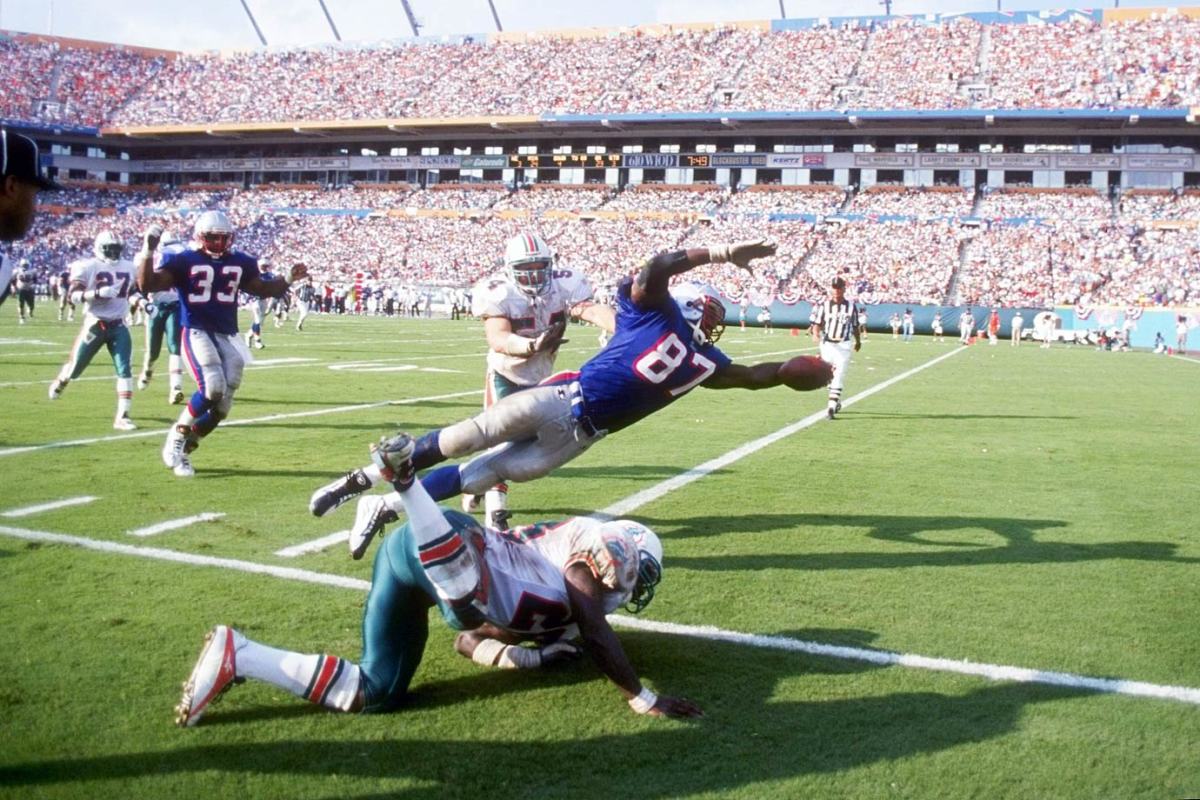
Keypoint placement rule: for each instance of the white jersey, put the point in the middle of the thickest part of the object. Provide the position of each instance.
(170, 295)
(496, 296)
(7, 265)
(25, 278)
(611, 556)
(94, 273)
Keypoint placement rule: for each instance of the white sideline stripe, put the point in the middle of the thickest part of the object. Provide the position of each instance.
(991, 672)
(1188, 358)
(174, 524)
(288, 573)
(639, 499)
(27, 510)
(314, 546)
(259, 363)
(12, 451)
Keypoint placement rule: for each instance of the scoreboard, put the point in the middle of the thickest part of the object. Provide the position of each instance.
(564, 160)
(637, 160)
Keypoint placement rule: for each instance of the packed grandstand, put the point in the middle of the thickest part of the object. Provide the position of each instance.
(964, 230)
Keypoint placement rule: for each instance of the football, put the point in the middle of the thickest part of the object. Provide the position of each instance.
(805, 373)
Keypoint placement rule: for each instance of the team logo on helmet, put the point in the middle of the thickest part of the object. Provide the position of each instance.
(108, 246)
(528, 260)
(702, 310)
(214, 233)
(650, 559)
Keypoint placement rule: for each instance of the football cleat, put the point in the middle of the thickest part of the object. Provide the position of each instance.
(176, 445)
(214, 673)
(370, 518)
(830, 412)
(470, 502)
(56, 388)
(176, 397)
(498, 519)
(393, 457)
(124, 423)
(334, 494)
(144, 378)
(184, 468)
(838, 408)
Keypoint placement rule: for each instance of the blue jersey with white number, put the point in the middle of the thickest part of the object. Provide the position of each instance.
(208, 286)
(650, 362)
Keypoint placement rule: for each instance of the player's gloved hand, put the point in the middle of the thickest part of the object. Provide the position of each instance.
(675, 708)
(152, 237)
(741, 253)
(106, 292)
(550, 338)
(559, 652)
(299, 272)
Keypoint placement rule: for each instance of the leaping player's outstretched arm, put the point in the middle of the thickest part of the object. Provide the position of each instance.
(652, 281)
(602, 644)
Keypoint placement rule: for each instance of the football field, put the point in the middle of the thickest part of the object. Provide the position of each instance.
(981, 580)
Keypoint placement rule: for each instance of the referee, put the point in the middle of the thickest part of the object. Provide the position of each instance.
(834, 322)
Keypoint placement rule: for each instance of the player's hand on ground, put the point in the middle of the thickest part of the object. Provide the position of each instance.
(675, 708)
(560, 652)
(298, 273)
(152, 237)
(550, 338)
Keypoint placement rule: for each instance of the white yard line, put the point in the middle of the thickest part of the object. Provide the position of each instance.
(315, 545)
(653, 493)
(993, 672)
(12, 451)
(175, 524)
(1187, 358)
(38, 509)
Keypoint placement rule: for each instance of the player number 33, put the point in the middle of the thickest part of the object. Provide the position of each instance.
(203, 276)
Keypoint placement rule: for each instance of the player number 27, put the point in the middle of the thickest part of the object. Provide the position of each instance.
(660, 362)
(202, 283)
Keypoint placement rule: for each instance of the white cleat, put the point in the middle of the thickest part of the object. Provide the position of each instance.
(470, 503)
(176, 397)
(56, 388)
(184, 468)
(144, 378)
(124, 423)
(370, 519)
(173, 447)
(214, 673)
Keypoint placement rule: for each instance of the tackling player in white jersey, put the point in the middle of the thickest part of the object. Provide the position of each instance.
(533, 584)
(104, 282)
(525, 309)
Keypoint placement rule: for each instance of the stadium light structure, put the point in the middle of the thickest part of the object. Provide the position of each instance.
(782, 10)
(495, 16)
(329, 19)
(412, 18)
(254, 22)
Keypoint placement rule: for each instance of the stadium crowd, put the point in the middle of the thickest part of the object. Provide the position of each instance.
(901, 64)
(1075, 251)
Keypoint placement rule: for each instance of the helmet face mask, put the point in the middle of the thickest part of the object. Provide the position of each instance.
(108, 246)
(702, 310)
(650, 559)
(528, 260)
(214, 233)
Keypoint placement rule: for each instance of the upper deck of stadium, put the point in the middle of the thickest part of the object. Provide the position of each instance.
(1089, 68)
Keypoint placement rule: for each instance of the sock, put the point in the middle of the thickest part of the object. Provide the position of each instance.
(426, 452)
(835, 396)
(448, 560)
(373, 473)
(176, 372)
(324, 680)
(124, 396)
(496, 499)
(443, 482)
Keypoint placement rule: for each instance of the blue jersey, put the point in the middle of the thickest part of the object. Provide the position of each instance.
(650, 362)
(208, 286)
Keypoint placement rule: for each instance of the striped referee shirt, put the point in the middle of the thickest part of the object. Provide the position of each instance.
(837, 320)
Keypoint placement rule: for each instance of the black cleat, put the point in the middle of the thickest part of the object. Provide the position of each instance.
(334, 494)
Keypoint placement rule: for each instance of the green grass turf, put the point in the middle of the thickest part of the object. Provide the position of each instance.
(1010, 506)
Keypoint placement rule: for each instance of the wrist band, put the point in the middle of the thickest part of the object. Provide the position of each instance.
(720, 254)
(644, 701)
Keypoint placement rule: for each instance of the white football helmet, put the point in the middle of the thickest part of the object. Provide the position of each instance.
(264, 265)
(702, 310)
(108, 246)
(214, 233)
(650, 560)
(528, 260)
